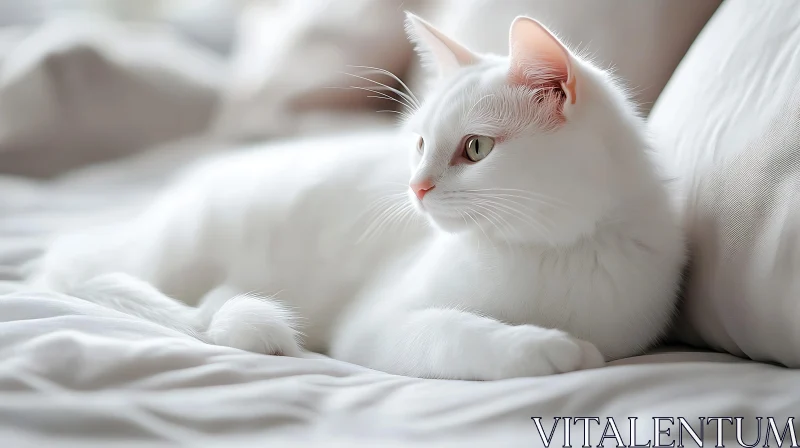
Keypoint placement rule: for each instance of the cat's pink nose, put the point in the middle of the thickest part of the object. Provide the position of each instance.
(422, 187)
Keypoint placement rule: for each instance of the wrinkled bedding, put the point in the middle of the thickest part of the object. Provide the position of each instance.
(73, 373)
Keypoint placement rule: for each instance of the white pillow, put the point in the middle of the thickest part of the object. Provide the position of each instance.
(730, 117)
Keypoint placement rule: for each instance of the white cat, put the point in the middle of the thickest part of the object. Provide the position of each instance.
(548, 242)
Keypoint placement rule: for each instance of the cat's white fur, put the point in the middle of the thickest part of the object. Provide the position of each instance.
(557, 252)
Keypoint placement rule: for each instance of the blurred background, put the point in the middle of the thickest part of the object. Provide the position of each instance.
(210, 23)
(84, 81)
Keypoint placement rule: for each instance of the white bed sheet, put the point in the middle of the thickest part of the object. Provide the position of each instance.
(75, 374)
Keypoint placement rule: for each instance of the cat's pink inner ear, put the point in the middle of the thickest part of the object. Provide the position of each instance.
(538, 58)
(436, 47)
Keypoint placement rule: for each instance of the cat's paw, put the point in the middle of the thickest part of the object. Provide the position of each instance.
(255, 325)
(533, 351)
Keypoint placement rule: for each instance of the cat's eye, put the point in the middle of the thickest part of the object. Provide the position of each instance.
(420, 145)
(477, 147)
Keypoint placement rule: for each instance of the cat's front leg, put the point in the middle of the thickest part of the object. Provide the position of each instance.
(454, 344)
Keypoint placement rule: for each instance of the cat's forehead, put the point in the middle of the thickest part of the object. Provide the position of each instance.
(452, 100)
(478, 102)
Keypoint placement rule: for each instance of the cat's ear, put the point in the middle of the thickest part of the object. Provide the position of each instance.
(435, 48)
(538, 58)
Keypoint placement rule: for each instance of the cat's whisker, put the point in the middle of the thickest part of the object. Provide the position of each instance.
(403, 95)
(377, 94)
(384, 97)
(506, 199)
(538, 198)
(481, 229)
(383, 199)
(409, 217)
(402, 114)
(381, 95)
(379, 208)
(502, 189)
(519, 193)
(497, 224)
(382, 89)
(512, 204)
(396, 217)
(517, 201)
(366, 89)
(492, 223)
(461, 214)
(392, 75)
(466, 223)
(388, 201)
(408, 93)
(393, 215)
(522, 217)
(507, 209)
(379, 222)
(512, 212)
(516, 206)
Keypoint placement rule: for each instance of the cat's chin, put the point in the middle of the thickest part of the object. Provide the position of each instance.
(462, 225)
(448, 224)
(481, 231)
(440, 220)
(453, 222)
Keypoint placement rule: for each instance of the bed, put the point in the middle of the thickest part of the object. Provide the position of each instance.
(75, 374)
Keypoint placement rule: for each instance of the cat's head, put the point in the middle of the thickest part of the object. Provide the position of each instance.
(532, 147)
